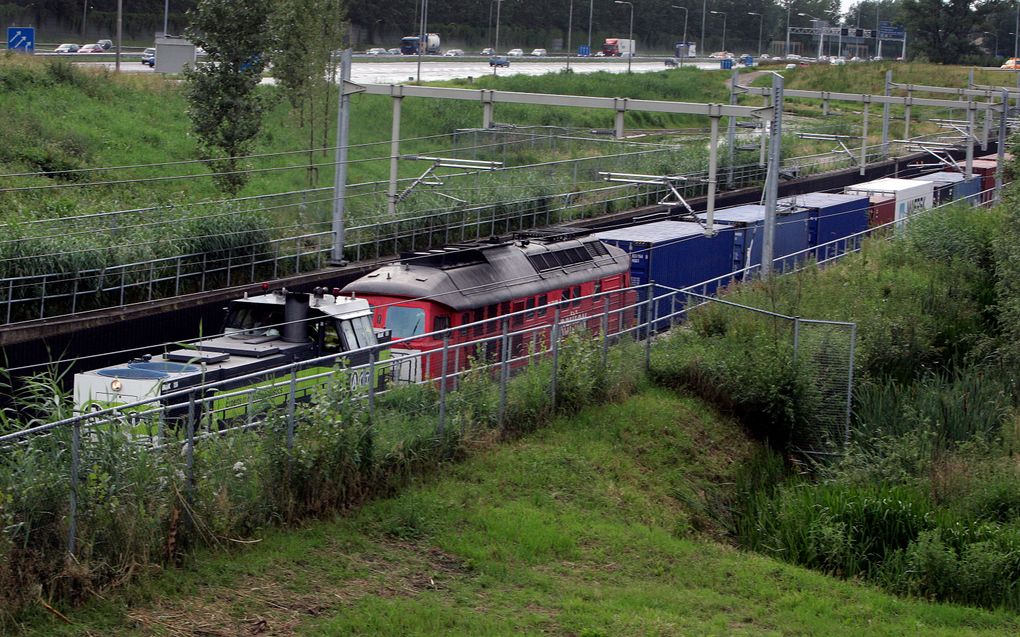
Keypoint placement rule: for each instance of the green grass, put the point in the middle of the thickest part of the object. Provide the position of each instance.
(584, 528)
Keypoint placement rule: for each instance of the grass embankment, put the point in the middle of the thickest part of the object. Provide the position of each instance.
(583, 528)
(926, 498)
(67, 120)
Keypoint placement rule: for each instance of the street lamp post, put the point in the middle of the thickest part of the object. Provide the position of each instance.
(570, 28)
(786, 53)
(704, 14)
(1016, 35)
(630, 54)
(166, 16)
(761, 24)
(423, 38)
(723, 14)
(684, 50)
(591, 13)
(495, 49)
(996, 36)
(821, 35)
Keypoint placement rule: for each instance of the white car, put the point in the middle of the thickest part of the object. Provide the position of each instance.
(790, 67)
(452, 53)
(840, 61)
(375, 52)
(515, 53)
(540, 53)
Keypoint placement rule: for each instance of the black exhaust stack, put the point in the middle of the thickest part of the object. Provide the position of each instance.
(295, 313)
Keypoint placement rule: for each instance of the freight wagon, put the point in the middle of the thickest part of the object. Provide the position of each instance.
(748, 230)
(831, 217)
(911, 195)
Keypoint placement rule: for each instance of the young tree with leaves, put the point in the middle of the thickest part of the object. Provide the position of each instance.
(224, 103)
(308, 33)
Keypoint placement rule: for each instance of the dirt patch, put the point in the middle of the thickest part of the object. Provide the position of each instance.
(276, 603)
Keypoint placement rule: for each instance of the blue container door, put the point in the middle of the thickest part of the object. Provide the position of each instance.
(739, 235)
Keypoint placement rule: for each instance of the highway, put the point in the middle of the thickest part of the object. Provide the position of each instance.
(394, 71)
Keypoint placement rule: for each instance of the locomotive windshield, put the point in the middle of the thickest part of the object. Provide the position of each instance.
(248, 319)
(405, 322)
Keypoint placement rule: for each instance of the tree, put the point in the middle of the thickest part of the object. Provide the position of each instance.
(942, 30)
(223, 102)
(307, 35)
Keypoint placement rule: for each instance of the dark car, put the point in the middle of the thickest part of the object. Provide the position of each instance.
(149, 57)
(106, 44)
(499, 60)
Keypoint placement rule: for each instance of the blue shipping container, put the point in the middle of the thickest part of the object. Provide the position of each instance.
(676, 254)
(748, 223)
(831, 217)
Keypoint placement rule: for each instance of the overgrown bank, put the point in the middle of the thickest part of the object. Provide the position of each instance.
(594, 525)
(926, 499)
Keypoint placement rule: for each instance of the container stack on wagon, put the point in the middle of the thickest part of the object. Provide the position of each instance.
(881, 210)
(748, 223)
(911, 195)
(953, 186)
(831, 217)
(675, 254)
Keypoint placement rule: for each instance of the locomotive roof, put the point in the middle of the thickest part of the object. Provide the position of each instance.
(467, 276)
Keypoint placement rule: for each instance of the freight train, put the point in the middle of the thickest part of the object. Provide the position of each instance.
(260, 333)
(463, 290)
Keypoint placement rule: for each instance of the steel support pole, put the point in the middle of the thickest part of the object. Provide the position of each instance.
(504, 370)
(970, 139)
(649, 324)
(906, 115)
(391, 206)
(864, 136)
(487, 108)
(986, 129)
(885, 115)
(343, 119)
(618, 129)
(1001, 150)
(731, 129)
(772, 179)
(713, 164)
(763, 141)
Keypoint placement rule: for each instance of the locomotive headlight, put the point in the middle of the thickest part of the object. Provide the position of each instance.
(116, 385)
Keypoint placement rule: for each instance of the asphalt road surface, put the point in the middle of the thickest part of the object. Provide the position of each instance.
(395, 72)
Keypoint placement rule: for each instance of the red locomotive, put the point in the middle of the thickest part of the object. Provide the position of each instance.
(468, 285)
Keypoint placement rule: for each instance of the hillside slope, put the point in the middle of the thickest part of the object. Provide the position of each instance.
(593, 526)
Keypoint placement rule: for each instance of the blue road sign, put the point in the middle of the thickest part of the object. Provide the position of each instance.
(583, 51)
(21, 39)
(887, 30)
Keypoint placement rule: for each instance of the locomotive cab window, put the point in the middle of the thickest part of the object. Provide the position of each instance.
(405, 322)
(531, 308)
(543, 301)
(247, 320)
(577, 295)
(440, 323)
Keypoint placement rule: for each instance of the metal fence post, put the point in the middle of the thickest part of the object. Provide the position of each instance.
(648, 324)
(504, 369)
(605, 330)
(555, 338)
(850, 382)
(442, 383)
(189, 449)
(796, 337)
(371, 384)
(291, 409)
(72, 515)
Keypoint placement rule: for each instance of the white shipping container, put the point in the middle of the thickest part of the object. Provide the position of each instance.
(911, 195)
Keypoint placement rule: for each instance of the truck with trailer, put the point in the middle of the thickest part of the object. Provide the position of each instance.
(409, 45)
(618, 47)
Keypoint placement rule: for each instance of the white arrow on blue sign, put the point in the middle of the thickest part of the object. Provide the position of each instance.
(21, 39)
